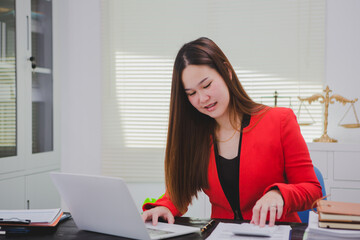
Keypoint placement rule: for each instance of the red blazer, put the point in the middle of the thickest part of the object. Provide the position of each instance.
(273, 154)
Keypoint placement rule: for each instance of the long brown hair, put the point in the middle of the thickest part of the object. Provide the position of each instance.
(189, 131)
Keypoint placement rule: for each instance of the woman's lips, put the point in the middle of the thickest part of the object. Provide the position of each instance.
(210, 107)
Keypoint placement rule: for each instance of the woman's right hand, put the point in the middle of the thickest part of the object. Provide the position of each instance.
(156, 212)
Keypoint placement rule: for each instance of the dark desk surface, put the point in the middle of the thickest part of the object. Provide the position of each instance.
(68, 230)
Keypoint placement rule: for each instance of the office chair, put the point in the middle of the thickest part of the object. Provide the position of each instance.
(304, 215)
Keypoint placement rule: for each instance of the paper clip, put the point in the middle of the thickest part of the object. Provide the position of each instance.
(14, 221)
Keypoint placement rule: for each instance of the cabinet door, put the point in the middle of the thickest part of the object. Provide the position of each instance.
(41, 192)
(28, 104)
(12, 193)
(41, 124)
(10, 136)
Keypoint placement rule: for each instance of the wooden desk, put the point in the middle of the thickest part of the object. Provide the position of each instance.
(68, 231)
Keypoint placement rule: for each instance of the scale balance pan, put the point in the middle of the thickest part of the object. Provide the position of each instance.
(305, 123)
(351, 125)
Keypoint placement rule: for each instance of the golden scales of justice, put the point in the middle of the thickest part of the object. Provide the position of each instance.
(326, 100)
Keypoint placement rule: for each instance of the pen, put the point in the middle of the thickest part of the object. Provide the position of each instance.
(208, 225)
(259, 235)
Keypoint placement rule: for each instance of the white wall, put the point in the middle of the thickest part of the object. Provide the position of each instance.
(343, 63)
(77, 60)
(78, 56)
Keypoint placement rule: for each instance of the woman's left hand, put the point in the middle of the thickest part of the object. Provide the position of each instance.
(271, 202)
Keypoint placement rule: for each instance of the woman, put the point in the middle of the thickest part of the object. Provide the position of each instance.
(250, 159)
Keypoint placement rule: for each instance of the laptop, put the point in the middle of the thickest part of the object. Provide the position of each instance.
(104, 204)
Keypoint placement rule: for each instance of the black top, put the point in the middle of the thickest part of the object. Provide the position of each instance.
(228, 172)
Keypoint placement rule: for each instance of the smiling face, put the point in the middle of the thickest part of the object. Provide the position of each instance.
(206, 90)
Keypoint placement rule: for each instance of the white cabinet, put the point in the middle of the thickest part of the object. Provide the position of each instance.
(340, 166)
(29, 112)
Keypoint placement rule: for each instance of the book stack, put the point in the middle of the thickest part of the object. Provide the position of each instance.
(341, 215)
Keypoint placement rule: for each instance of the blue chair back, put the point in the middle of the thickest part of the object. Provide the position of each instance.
(304, 215)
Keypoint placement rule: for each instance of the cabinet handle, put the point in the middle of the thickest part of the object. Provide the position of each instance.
(33, 63)
(28, 32)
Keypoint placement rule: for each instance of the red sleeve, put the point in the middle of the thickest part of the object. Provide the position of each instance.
(165, 202)
(302, 187)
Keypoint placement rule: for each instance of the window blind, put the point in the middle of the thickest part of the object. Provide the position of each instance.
(276, 48)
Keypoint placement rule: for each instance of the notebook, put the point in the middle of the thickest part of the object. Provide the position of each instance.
(104, 204)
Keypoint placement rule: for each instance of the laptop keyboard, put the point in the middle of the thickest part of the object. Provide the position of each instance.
(156, 232)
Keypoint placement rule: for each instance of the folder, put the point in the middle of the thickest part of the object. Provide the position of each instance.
(29, 221)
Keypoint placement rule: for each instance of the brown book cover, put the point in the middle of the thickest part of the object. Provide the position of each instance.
(338, 211)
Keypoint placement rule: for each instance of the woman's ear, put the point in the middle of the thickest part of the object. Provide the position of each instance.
(229, 69)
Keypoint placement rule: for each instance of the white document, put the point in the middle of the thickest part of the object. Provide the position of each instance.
(165, 228)
(226, 231)
(35, 216)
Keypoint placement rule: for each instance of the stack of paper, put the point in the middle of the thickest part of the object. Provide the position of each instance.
(225, 231)
(343, 215)
(314, 232)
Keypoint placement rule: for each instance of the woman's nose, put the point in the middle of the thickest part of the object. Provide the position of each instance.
(203, 97)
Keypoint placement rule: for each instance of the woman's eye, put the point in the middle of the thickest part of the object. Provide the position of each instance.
(208, 85)
(191, 94)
